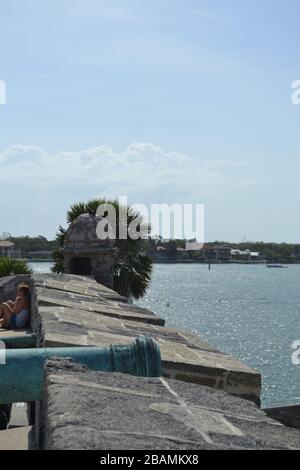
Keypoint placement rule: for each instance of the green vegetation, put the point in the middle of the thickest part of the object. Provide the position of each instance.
(27, 244)
(271, 252)
(169, 250)
(9, 266)
(133, 268)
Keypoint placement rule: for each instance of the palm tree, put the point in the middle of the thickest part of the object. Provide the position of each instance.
(132, 268)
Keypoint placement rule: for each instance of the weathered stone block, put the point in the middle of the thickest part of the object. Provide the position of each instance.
(287, 415)
(100, 411)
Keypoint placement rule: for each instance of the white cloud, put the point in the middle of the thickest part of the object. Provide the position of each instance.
(46, 184)
(140, 167)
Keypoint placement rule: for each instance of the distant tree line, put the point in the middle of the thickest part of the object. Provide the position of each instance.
(170, 250)
(274, 251)
(27, 244)
(159, 249)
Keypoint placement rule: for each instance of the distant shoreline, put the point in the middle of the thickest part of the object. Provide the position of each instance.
(39, 260)
(264, 263)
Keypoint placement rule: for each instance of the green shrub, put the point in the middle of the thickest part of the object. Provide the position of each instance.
(9, 266)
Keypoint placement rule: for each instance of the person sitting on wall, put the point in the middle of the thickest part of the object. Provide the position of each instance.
(15, 315)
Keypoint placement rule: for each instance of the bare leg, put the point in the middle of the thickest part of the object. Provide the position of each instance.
(7, 312)
(10, 304)
(2, 309)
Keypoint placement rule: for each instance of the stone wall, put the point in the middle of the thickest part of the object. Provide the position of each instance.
(85, 410)
(69, 311)
(287, 415)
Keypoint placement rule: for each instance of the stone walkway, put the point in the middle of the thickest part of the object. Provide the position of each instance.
(15, 438)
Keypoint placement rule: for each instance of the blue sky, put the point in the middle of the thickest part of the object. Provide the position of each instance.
(171, 101)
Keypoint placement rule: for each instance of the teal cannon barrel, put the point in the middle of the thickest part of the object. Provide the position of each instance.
(22, 375)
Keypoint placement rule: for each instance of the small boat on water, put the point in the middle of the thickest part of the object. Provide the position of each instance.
(276, 265)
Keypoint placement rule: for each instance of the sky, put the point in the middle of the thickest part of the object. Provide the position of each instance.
(168, 101)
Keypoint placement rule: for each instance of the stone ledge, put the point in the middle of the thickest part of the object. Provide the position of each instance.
(53, 297)
(287, 415)
(99, 411)
(78, 285)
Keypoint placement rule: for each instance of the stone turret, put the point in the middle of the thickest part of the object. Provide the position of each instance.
(87, 255)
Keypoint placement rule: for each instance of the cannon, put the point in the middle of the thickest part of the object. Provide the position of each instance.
(22, 375)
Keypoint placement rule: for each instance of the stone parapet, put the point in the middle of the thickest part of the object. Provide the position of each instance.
(86, 410)
(287, 415)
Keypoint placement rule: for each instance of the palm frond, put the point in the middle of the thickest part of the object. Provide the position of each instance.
(59, 264)
(60, 236)
(75, 211)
